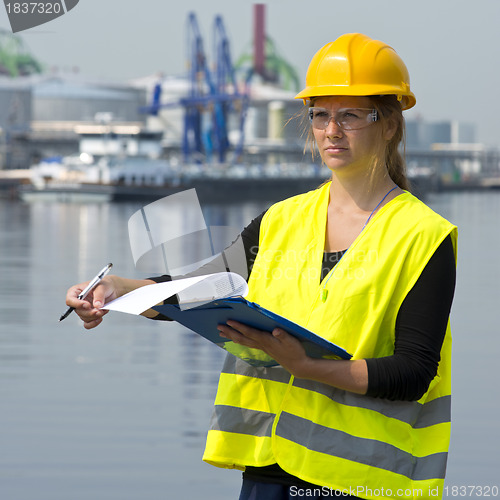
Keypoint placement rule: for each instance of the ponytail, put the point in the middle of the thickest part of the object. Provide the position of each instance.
(388, 107)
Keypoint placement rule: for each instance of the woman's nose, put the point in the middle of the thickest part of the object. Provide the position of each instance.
(333, 129)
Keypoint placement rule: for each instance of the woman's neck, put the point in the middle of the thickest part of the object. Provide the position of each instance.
(350, 207)
(359, 194)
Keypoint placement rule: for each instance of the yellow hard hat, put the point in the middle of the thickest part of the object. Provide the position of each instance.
(357, 65)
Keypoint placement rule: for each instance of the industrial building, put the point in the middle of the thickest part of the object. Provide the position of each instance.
(421, 135)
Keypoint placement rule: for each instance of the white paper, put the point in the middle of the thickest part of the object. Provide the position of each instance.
(216, 286)
(142, 299)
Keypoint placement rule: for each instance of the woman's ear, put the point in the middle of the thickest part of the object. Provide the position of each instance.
(390, 128)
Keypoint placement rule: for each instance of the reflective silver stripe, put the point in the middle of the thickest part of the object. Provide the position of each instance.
(366, 451)
(411, 412)
(241, 421)
(237, 366)
(434, 412)
(416, 414)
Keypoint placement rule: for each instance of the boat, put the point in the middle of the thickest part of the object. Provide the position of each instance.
(117, 179)
(133, 179)
(11, 179)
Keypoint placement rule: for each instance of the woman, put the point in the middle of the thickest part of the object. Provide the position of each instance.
(363, 263)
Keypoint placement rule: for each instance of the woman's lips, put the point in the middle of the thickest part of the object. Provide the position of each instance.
(335, 149)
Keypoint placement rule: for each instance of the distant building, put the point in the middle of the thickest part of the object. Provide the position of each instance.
(74, 100)
(15, 120)
(421, 135)
(40, 114)
(449, 150)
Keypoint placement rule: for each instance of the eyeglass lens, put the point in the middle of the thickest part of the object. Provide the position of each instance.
(348, 119)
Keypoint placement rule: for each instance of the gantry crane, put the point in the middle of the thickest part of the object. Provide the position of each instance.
(213, 95)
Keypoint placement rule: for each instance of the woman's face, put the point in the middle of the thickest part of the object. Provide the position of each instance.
(348, 151)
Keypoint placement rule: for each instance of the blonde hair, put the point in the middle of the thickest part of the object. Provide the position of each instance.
(389, 108)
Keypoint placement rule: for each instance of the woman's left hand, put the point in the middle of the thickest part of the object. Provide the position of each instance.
(349, 375)
(280, 345)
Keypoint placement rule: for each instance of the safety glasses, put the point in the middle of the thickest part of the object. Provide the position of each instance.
(345, 118)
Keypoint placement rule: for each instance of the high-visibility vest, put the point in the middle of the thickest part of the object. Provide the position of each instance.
(365, 446)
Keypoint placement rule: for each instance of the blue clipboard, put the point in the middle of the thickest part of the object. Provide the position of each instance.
(205, 318)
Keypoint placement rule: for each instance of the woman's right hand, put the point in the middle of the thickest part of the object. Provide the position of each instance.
(109, 288)
(89, 309)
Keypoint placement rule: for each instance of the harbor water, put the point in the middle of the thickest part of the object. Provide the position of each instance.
(121, 412)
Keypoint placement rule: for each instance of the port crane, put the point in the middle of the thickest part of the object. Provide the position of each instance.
(214, 94)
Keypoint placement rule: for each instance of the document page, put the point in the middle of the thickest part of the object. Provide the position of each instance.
(191, 292)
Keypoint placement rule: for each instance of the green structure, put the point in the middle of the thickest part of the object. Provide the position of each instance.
(15, 59)
(276, 69)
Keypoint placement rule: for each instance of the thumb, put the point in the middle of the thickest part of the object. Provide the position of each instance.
(99, 296)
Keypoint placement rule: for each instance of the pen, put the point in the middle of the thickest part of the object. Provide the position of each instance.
(88, 289)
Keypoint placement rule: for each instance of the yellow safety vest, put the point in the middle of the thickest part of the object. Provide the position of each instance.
(367, 447)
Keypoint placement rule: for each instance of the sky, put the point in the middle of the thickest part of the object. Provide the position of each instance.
(451, 47)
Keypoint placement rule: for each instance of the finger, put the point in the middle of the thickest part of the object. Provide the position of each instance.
(234, 335)
(285, 338)
(72, 299)
(92, 324)
(99, 295)
(278, 333)
(90, 313)
(283, 335)
(248, 331)
(105, 291)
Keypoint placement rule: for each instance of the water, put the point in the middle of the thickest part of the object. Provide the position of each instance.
(121, 412)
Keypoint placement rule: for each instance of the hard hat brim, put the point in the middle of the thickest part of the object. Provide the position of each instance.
(407, 98)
